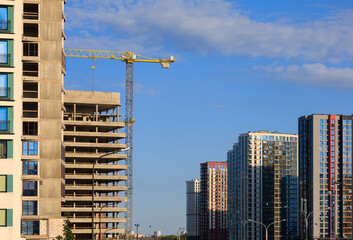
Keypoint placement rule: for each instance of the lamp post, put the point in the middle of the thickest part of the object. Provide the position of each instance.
(307, 223)
(100, 219)
(266, 227)
(137, 230)
(110, 230)
(93, 168)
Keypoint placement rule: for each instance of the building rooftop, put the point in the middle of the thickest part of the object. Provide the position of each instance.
(92, 97)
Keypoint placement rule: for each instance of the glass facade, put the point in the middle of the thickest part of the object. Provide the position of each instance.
(262, 180)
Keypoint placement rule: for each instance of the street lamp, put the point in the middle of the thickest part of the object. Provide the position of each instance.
(93, 168)
(306, 223)
(266, 227)
(137, 230)
(100, 219)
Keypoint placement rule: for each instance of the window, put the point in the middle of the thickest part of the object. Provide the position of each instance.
(6, 183)
(6, 19)
(6, 217)
(3, 52)
(29, 208)
(3, 18)
(30, 228)
(29, 148)
(30, 188)
(3, 149)
(5, 115)
(30, 128)
(6, 84)
(3, 118)
(3, 85)
(30, 168)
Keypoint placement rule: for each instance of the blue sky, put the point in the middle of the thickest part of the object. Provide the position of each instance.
(240, 65)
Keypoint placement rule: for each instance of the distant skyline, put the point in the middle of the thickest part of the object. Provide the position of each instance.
(240, 66)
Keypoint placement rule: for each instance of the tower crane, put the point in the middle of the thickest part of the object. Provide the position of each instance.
(129, 58)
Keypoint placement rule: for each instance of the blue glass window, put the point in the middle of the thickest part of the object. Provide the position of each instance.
(30, 188)
(30, 228)
(3, 85)
(30, 168)
(29, 208)
(3, 119)
(3, 18)
(29, 148)
(3, 51)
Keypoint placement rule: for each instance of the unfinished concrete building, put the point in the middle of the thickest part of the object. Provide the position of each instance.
(92, 129)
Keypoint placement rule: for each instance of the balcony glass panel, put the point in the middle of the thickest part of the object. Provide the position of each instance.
(6, 19)
(3, 52)
(3, 119)
(3, 18)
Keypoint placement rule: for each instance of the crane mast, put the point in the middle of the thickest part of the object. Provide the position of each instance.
(129, 97)
(129, 58)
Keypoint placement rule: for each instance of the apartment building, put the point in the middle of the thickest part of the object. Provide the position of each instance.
(325, 175)
(192, 209)
(31, 104)
(91, 130)
(262, 186)
(213, 201)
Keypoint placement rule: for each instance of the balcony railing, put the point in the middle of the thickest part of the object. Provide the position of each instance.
(30, 93)
(30, 113)
(5, 92)
(30, 15)
(5, 26)
(5, 59)
(5, 126)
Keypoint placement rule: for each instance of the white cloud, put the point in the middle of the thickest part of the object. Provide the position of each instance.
(207, 26)
(315, 74)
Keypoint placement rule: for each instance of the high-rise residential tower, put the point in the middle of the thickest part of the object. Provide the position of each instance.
(262, 186)
(32, 66)
(325, 175)
(213, 201)
(192, 209)
(91, 130)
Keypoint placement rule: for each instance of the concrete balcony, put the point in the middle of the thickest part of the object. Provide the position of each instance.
(94, 134)
(96, 188)
(89, 209)
(87, 198)
(95, 145)
(97, 220)
(97, 166)
(88, 230)
(88, 176)
(93, 155)
(95, 123)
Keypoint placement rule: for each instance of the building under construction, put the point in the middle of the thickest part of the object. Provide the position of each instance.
(92, 129)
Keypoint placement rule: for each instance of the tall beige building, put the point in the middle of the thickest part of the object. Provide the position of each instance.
(32, 66)
(91, 130)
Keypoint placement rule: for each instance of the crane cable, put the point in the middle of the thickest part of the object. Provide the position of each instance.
(93, 67)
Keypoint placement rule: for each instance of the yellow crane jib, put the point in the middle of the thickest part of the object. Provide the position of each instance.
(129, 57)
